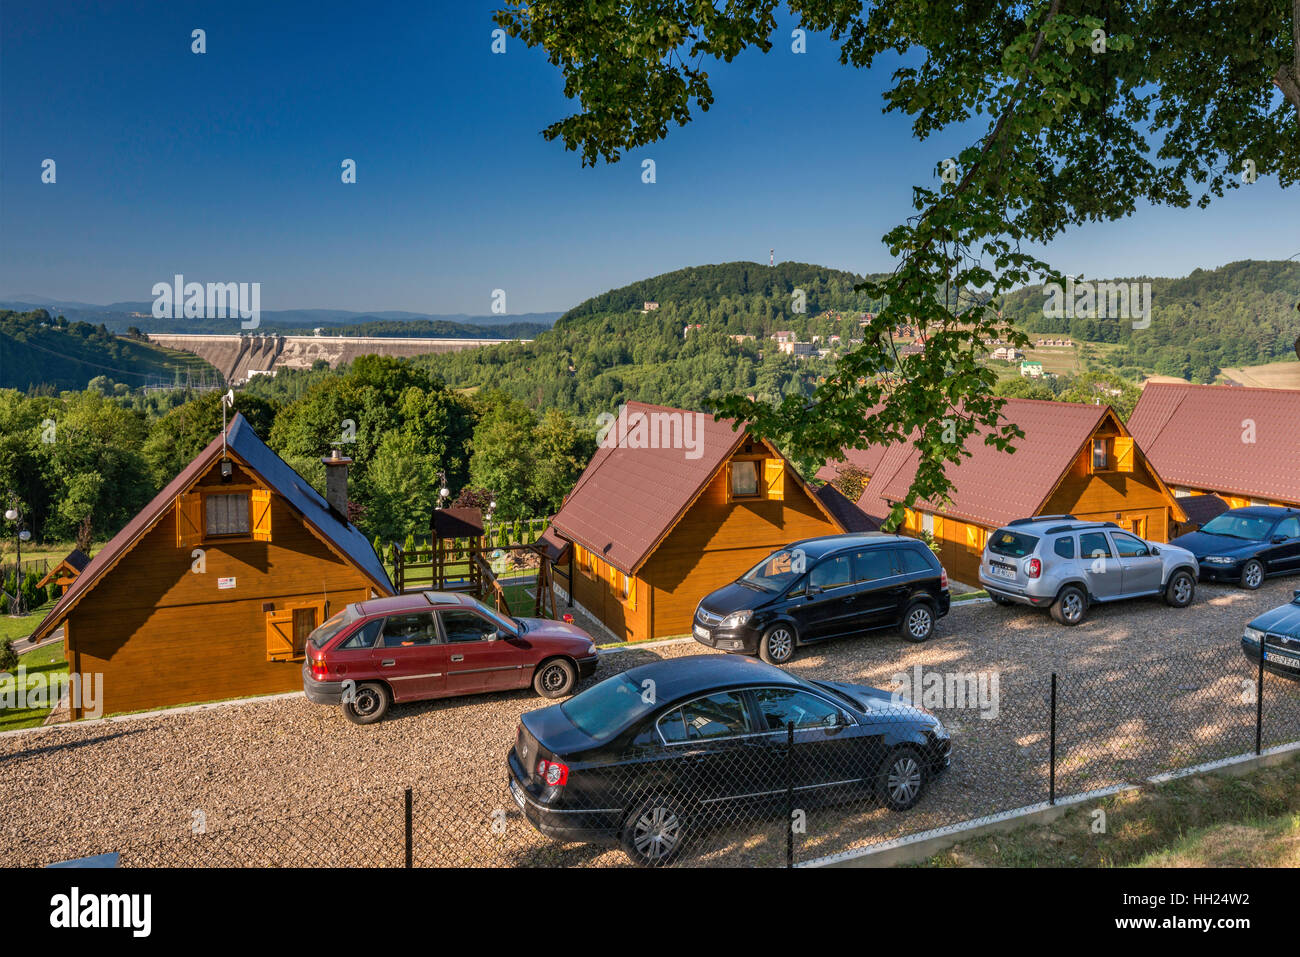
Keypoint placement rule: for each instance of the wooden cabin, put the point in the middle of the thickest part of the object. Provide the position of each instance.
(1075, 459)
(651, 527)
(1233, 442)
(211, 590)
(66, 571)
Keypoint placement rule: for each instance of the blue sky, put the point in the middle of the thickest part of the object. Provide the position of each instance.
(226, 166)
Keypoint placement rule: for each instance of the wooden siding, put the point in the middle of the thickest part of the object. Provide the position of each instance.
(717, 540)
(163, 635)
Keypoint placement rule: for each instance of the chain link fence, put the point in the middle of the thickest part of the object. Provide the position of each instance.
(788, 781)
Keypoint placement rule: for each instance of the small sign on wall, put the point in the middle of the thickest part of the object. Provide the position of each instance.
(225, 582)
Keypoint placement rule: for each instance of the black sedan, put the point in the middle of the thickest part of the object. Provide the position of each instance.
(650, 758)
(1277, 632)
(1246, 545)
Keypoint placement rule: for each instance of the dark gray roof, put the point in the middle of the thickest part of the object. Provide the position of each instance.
(245, 443)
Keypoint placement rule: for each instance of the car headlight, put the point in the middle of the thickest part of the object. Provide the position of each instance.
(736, 619)
(1253, 635)
(1219, 560)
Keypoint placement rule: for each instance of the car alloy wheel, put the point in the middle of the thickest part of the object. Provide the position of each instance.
(1252, 576)
(779, 645)
(901, 778)
(656, 834)
(1183, 589)
(920, 623)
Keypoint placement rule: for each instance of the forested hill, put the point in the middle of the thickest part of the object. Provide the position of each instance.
(1239, 314)
(37, 350)
(709, 337)
(748, 281)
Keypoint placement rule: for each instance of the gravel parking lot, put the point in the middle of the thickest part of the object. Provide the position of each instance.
(1143, 688)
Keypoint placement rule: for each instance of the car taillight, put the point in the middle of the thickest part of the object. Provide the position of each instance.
(318, 669)
(552, 772)
(1035, 568)
(943, 577)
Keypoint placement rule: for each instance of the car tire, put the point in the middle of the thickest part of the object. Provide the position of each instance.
(1071, 605)
(901, 778)
(778, 644)
(1181, 589)
(917, 623)
(369, 703)
(654, 834)
(1252, 574)
(555, 678)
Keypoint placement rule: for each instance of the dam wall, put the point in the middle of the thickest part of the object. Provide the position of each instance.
(236, 357)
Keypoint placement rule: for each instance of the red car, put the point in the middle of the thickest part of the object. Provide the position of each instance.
(436, 645)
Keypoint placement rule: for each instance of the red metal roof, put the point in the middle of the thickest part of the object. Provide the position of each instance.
(628, 498)
(991, 487)
(1200, 436)
(867, 459)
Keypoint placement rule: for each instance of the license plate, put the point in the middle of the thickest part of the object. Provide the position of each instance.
(1287, 660)
(701, 632)
(1002, 571)
(517, 794)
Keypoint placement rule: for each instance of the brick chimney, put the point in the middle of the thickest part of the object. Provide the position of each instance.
(336, 481)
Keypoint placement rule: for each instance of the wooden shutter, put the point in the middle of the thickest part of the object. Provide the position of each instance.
(973, 539)
(1124, 454)
(260, 502)
(305, 621)
(279, 635)
(189, 519)
(631, 592)
(774, 478)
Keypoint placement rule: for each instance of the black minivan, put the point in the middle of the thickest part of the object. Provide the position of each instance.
(823, 588)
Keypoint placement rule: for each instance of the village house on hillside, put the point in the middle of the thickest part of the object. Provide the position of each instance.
(647, 532)
(1237, 442)
(211, 590)
(1074, 459)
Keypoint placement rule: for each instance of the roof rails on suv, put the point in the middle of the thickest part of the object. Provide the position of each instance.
(1055, 529)
(1042, 518)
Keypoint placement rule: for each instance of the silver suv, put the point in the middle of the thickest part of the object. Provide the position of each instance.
(1065, 564)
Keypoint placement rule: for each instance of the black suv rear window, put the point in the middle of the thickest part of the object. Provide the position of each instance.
(1013, 544)
(915, 560)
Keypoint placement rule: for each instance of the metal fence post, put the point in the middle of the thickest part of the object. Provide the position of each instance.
(1051, 785)
(409, 842)
(789, 794)
(1259, 701)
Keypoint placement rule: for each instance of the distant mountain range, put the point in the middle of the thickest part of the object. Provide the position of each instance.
(120, 316)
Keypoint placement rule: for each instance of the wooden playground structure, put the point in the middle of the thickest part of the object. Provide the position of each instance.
(464, 555)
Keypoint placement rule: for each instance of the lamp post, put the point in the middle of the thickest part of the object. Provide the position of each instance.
(15, 515)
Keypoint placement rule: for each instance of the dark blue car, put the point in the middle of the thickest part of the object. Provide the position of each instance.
(1246, 545)
(1278, 632)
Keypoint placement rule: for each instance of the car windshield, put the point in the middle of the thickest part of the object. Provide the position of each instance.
(776, 571)
(606, 708)
(504, 622)
(1252, 528)
(321, 636)
(1012, 544)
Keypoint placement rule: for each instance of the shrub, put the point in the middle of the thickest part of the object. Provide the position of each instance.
(8, 657)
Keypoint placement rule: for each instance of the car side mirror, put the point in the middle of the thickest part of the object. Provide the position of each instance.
(1279, 539)
(493, 636)
(813, 590)
(1154, 550)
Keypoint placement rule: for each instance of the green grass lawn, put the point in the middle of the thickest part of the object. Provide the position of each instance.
(15, 628)
(47, 662)
(1210, 820)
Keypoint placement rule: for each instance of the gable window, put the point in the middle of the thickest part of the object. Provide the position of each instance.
(226, 514)
(744, 478)
(1100, 455)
